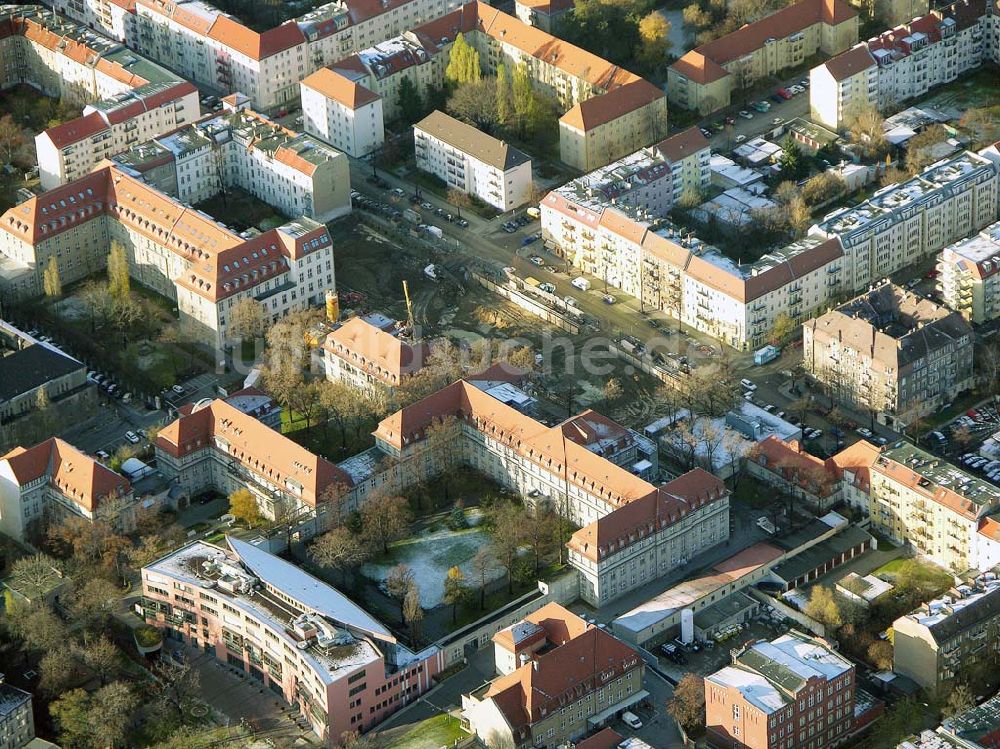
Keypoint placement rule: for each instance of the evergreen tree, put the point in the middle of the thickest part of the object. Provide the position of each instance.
(411, 106)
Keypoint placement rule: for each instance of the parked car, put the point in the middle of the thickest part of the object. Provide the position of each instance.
(608, 299)
(103, 455)
(740, 138)
(179, 389)
(570, 301)
(132, 437)
(748, 384)
(631, 720)
(777, 121)
(536, 260)
(864, 431)
(746, 115)
(463, 223)
(784, 93)
(706, 132)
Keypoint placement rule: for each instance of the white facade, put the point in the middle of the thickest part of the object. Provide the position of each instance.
(969, 276)
(472, 162)
(347, 116)
(63, 157)
(903, 63)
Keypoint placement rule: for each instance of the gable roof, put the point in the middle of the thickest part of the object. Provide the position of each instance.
(560, 676)
(850, 63)
(659, 508)
(682, 145)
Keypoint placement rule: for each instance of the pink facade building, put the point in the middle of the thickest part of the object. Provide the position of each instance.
(302, 639)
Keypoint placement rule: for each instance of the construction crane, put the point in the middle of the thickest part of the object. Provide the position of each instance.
(409, 308)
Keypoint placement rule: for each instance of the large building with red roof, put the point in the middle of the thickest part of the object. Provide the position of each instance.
(218, 446)
(53, 480)
(126, 99)
(560, 678)
(903, 62)
(706, 78)
(584, 469)
(143, 200)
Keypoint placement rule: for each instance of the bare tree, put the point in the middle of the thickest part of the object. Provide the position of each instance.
(384, 518)
(413, 613)
(398, 582)
(483, 565)
(339, 548)
(507, 534)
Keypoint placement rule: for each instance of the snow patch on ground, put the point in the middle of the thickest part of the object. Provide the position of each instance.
(430, 557)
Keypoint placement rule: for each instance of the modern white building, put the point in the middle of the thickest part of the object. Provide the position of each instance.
(969, 275)
(309, 645)
(471, 161)
(903, 62)
(342, 113)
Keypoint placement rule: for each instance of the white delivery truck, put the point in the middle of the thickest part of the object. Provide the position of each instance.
(581, 283)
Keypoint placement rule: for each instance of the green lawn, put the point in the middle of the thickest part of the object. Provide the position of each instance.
(439, 731)
(890, 568)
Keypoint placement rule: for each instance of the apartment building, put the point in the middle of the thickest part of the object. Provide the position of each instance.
(113, 18)
(569, 677)
(342, 113)
(587, 469)
(939, 643)
(969, 276)
(794, 691)
(67, 152)
(127, 98)
(545, 14)
(53, 480)
(936, 507)
(293, 172)
(304, 641)
(216, 446)
(903, 223)
(143, 202)
(650, 536)
(901, 63)
(365, 356)
(28, 366)
(17, 722)
(472, 162)
(708, 77)
(609, 111)
(214, 49)
(891, 353)
(682, 276)
(978, 727)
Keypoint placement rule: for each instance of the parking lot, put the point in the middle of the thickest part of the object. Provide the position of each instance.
(962, 440)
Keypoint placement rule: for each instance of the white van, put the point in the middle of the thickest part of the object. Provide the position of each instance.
(631, 720)
(581, 283)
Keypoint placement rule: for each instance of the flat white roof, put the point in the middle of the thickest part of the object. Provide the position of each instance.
(757, 690)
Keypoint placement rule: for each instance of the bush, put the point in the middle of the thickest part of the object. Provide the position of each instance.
(148, 637)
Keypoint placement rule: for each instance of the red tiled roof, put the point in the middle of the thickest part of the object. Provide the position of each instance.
(76, 130)
(682, 145)
(258, 448)
(660, 508)
(704, 64)
(75, 475)
(850, 63)
(563, 675)
(374, 351)
(340, 89)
